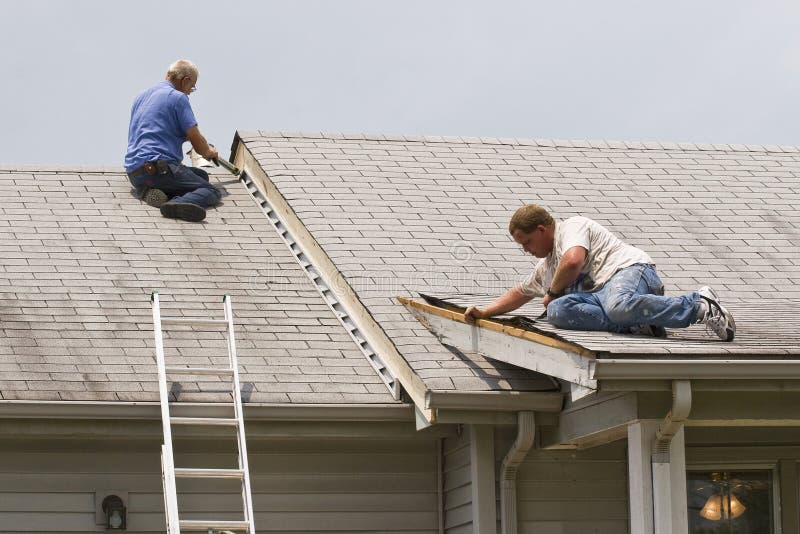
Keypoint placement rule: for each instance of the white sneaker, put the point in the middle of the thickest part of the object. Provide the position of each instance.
(717, 318)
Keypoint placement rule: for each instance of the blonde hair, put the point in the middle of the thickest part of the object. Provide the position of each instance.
(183, 68)
(528, 218)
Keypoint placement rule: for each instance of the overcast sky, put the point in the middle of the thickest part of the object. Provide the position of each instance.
(685, 71)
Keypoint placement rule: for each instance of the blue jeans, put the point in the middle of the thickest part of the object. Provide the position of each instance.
(183, 184)
(632, 297)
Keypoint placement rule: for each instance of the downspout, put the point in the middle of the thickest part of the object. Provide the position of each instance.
(664, 501)
(440, 482)
(526, 430)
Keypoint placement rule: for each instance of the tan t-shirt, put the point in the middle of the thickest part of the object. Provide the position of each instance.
(605, 255)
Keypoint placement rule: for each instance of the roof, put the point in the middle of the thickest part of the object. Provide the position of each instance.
(403, 215)
(79, 257)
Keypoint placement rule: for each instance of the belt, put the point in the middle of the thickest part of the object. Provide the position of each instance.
(151, 168)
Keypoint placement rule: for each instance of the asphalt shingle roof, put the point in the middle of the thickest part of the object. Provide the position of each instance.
(79, 257)
(400, 215)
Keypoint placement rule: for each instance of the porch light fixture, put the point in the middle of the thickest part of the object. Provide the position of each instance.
(723, 504)
(114, 509)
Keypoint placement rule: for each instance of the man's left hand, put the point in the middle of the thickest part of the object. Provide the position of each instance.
(547, 300)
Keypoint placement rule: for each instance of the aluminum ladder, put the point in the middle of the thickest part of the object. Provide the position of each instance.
(169, 473)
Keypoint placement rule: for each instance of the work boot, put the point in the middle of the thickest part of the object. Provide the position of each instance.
(154, 197)
(183, 210)
(715, 316)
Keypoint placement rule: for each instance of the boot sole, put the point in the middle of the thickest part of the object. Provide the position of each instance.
(155, 198)
(730, 327)
(183, 210)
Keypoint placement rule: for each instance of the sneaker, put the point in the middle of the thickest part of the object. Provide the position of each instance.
(717, 318)
(154, 197)
(183, 210)
(649, 330)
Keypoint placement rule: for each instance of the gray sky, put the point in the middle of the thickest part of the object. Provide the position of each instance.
(696, 71)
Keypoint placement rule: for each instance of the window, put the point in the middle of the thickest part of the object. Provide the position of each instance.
(731, 502)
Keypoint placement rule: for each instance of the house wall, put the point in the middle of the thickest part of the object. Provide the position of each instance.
(457, 484)
(570, 492)
(299, 485)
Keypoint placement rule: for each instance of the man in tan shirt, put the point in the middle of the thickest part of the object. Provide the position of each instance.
(591, 280)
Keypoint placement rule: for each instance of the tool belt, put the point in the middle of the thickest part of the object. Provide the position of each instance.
(151, 168)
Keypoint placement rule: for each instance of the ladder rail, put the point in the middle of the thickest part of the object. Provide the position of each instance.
(237, 407)
(167, 458)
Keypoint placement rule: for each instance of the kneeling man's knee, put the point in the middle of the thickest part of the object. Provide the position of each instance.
(557, 313)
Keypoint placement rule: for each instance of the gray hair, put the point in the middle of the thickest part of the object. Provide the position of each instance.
(182, 69)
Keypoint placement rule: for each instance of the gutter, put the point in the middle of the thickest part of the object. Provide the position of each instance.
(526, 430)
(512, 401)
(252, 412)
(652, 369)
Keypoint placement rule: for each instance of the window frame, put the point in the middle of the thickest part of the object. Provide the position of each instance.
(773, 467)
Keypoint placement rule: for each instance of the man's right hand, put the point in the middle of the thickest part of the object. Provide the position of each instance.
(472, 314)
(212, 154)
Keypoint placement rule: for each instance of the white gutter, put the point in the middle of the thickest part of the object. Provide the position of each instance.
(669, 477)
(526, 430)
(653, 369)
(540, 401)
(255, 412)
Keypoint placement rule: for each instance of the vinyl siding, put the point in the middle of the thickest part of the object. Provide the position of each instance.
(571, 492)
(457, 485)
(381, 486)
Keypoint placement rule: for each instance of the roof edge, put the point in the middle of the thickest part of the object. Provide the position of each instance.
(547, 143)
(334, 282)
(539, 401)
(152, 410)
(718, 369)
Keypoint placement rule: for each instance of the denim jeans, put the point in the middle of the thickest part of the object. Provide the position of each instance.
(184, 184)
(632, 297)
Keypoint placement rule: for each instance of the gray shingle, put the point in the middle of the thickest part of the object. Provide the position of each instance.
(77, 271)
(707, 213)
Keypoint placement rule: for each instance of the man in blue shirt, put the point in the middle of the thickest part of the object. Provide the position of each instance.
(161, 121)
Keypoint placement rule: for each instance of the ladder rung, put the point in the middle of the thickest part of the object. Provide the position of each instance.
(203, 524)
(209, 421)
(199, 370)
(190, 321)
(185, 472)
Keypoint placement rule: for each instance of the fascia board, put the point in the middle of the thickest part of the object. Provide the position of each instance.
(496, 400)
(721, 369)
(496, 341)
(252, 412)
(347, 297)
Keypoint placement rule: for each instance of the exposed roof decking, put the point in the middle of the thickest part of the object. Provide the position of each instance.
(79, 257)
(402, 215)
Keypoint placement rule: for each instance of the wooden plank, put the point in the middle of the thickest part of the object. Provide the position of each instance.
(789, 495)
(496, 326)
(542, 358)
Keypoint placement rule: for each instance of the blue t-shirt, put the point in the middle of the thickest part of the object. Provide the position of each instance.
(160, 118)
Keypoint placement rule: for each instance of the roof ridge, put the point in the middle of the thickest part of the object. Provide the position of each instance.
(553, 143)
